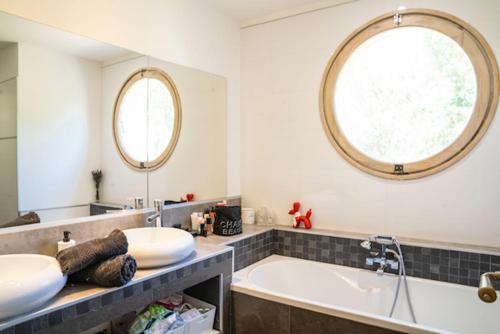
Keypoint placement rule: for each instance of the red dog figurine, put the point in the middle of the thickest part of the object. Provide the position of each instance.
(298, 218)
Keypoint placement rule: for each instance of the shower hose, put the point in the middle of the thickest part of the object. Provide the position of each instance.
(402, 273)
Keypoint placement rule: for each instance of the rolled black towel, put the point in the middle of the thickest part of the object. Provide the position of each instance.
(116, 271)
(81, 256)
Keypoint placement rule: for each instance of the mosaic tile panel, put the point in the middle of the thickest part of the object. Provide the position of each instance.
(252, 249)
(423, 262)
(430, 263)
(253, 315)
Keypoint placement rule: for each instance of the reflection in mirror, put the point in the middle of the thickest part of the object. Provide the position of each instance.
(147, 119)
(57, 98)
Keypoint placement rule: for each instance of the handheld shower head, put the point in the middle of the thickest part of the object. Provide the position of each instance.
(366, 244)
(486, 290)
(382, 239)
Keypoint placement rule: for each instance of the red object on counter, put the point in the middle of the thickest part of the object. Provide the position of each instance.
(298, 218)
(295, 208)
(189, 198)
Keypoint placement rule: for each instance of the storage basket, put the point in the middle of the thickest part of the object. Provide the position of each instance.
(205, 322)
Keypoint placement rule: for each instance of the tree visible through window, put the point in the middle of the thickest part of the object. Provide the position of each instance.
(409, 93)
(405, 94)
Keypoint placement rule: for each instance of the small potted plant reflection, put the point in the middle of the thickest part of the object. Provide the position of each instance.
(97, 176)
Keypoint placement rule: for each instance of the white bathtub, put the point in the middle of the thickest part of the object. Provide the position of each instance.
(362, 296)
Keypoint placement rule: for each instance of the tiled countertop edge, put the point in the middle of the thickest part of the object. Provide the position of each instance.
(56, 303)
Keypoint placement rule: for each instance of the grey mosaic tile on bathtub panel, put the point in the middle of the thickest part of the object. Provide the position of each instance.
(430, 263)
(252, 249)
(89, 313)
(252, 315)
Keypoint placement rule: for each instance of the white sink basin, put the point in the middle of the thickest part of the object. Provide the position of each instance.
(27, 281)
(158, 246)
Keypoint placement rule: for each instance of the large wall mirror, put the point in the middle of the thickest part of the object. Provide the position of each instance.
(70, 106)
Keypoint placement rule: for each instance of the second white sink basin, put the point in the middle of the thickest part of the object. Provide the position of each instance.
(158, 246)
(27, 281)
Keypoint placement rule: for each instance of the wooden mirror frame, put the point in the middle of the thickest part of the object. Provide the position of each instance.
(154, 73)
(487, 76)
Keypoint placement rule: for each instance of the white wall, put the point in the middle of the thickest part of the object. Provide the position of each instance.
(120, 184)
(286, 155)
(58, 128)
(8, 133)
(187, 32)
(8, 61)
(198, 163)
(8, 195)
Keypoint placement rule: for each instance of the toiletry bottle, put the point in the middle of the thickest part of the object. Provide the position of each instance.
(66, 242)
(212, 215)
(194, 221)
(198, 225)
(203, 231)
(209, 226)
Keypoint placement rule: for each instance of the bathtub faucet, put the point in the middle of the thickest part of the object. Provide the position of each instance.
(380, 257)
(487, 292)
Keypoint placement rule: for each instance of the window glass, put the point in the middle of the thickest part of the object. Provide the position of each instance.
(147, 119)
(409, 93)
(405, 94)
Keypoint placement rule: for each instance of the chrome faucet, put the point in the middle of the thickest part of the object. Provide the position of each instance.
(157, 216)
(487, 292)
(380, 258)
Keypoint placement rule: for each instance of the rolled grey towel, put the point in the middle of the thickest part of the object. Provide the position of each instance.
(81, 256)
(29, 218)
(116, 271)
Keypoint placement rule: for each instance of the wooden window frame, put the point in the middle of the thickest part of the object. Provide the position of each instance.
(487, 77)
(153, 73)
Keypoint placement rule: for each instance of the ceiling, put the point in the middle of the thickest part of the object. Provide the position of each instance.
(17, 30)
(253, 11)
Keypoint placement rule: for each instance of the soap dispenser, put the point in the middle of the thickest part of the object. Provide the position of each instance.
(66, 242)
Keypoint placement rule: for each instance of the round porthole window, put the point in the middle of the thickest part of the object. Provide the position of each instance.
(409, 94)
(147, 118)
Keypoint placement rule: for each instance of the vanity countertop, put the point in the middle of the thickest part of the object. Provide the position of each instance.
(74, 293)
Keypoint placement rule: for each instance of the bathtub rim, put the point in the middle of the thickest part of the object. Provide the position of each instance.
(242, 284)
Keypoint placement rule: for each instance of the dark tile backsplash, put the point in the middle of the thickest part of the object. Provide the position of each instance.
(430, 263)
(253, 249)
